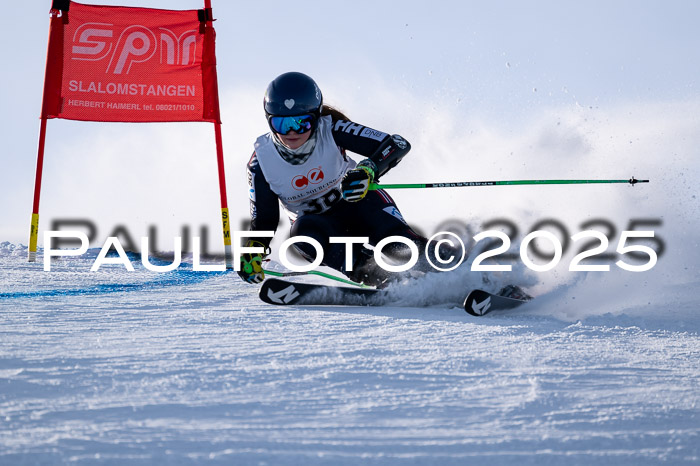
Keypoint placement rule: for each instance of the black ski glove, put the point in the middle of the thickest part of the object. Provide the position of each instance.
(251, 264)
(355, 183)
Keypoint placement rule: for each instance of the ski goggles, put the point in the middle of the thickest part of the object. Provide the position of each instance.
(284, 124)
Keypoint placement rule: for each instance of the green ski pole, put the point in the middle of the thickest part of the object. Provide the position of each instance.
(375, 186)
(320, 274)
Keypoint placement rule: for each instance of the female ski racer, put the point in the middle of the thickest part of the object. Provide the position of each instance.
(302, 163)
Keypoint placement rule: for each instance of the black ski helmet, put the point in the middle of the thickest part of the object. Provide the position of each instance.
(292, 94)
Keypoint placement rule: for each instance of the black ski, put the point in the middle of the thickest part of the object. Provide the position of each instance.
(283, 293)
(480, 302)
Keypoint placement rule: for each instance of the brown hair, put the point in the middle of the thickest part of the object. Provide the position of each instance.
(333, 112)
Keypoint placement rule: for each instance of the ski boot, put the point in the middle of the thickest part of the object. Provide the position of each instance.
(514, 292)
(367, 271)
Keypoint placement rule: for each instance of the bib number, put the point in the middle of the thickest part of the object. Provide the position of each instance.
(323, 203)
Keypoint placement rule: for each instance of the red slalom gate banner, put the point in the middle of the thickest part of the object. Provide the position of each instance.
(127, 64)
(130, 64)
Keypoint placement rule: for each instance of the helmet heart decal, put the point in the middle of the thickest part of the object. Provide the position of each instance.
(289, 103)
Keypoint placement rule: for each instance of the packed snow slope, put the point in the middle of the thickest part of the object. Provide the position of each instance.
(117, 367)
